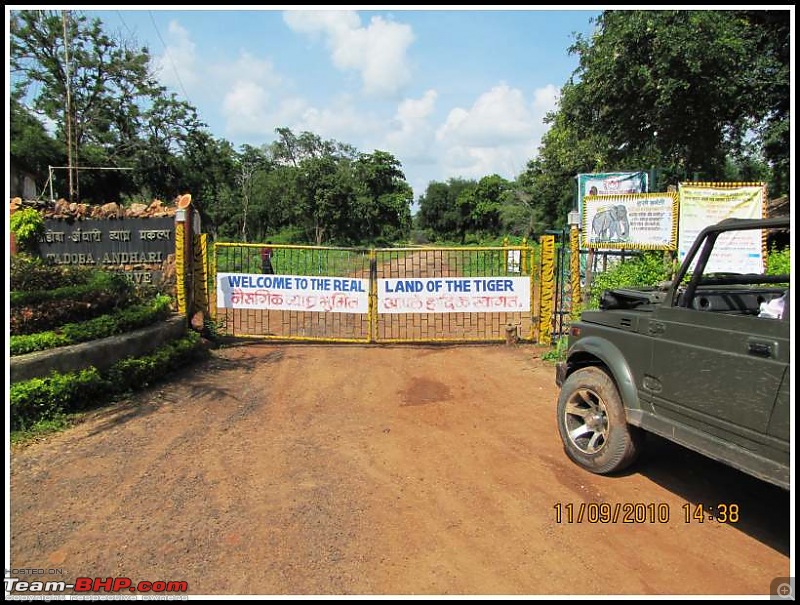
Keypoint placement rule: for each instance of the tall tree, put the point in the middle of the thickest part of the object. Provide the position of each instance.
(480, 206)
(118, 115)
(680, 92)
(439, 211)
(325, 192)
(251, 160)
(30, 143)
(771, 31)
(383, 204)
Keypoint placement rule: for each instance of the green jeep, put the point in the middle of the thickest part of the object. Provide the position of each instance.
(703, 361)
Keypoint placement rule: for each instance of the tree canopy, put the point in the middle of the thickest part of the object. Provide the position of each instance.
(683, 94)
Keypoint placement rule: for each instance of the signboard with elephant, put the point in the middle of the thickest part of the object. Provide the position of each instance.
(643, 221)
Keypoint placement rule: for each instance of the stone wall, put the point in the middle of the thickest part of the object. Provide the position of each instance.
(73, 217)
(62, 209)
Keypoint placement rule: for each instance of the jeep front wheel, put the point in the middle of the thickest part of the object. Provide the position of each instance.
(592, 424)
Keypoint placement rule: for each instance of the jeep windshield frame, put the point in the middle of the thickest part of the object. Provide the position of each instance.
(702, 248)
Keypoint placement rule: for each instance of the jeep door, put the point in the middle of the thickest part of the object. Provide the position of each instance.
(720, 374)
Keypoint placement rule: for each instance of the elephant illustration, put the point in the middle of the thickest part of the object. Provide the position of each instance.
(611, 223)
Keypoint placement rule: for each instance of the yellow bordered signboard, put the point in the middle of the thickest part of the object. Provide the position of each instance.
(705, 204)
(641, 221)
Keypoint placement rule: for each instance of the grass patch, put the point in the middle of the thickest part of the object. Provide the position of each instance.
(50, 399)
(558, 352)
(42, 428)
(131, 318)
(293, 261)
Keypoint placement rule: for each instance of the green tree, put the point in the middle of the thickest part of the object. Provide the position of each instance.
(291, 149)
(100, 83)
(325, 192)
(480, 206)
(171, 148)
(439, 211)
(249, 162)
(207, 169)
(118, 115)
(688, 94)
(382, 210)
(30, 144)
(771, 80)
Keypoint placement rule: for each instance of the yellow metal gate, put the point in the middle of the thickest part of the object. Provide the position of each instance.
(464, 294)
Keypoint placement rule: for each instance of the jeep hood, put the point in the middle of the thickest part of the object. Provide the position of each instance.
(631, 298)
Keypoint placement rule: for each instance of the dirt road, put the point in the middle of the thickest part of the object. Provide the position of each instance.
(304, 469)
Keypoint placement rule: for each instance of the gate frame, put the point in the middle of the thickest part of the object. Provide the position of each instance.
(538, 292)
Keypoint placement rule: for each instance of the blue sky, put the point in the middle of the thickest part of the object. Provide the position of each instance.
(450, 93)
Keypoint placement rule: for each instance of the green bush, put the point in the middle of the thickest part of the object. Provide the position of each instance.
(779, 262)
(42, 310)
(647, 269)
(30, 273)
(136, 372)
(27, 225)
(652, 268)
(47, 399)
(558, 352)
(125, 320)
(28, 343)
(93, 281)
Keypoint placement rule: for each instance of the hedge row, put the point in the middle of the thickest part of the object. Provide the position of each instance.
(41, 399)
(30, 273)
(105, 281)
(130, 318)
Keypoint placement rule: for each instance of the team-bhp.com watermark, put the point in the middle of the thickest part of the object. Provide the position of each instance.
(84, 588)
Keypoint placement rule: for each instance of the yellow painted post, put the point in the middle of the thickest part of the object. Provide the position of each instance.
(534, 317)
(574, 269)
(372, 317)
(523, 254)
(200, 268)
(180, 260)
(212, 295)
(547, 285)
(183, 254)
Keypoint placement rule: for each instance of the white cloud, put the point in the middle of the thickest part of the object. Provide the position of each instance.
(250, 105)
(377, 51)
(248, 68)
(245, 108)
(412, 135)
(499, 133)
(545, 99)
(497, 116)
(177, 66)
(342, 120)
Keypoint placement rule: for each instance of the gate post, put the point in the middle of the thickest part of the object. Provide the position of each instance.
(183, 254)
(200, 277)
(372, 317)
(212, 282)
(547, 287)
(574, 269)
(530, 254)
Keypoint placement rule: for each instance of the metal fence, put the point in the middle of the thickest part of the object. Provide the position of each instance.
(373, 295)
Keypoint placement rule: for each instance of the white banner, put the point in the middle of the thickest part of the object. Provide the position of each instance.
(454, 295)
(703, 204)
(292, 293)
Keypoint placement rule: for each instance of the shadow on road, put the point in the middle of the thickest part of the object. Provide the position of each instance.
(196, 382)
(764, 510)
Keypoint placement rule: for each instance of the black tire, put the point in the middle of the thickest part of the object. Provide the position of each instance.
(592, 423)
